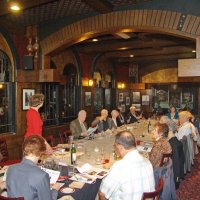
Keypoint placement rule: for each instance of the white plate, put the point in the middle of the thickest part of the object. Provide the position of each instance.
(67, 190)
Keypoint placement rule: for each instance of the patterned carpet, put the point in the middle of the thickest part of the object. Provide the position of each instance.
(190, 187)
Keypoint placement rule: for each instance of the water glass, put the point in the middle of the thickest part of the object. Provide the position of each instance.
(70, 170)
(70, 139)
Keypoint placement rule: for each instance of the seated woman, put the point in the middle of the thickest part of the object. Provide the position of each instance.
(26, 179)
(161, 145)
(173, 114)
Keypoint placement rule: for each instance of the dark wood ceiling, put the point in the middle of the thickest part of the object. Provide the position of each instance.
(145, 47)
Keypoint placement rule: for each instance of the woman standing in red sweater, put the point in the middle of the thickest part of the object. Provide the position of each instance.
(33, 119)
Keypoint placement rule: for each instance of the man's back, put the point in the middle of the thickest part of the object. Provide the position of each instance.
(28, 181)
(129, 178)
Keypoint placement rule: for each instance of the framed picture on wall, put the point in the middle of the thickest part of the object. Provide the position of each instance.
(123, 108)
(136, 97)
(121, 97)
(187, 100)
(145, 100)
(88, 98)
(127, 101)
(26, 94)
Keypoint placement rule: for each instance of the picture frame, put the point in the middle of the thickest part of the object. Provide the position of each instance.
(136, 97)
(123, 108)
(127, 101)
(88, 99)
(145, 100)
(187, 100)
(121, 97)
(26, 94)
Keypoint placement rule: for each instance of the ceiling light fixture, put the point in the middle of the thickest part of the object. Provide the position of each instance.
(15, 7)
(94, 40)
(123, 48)
(131, 55)
(193, 51)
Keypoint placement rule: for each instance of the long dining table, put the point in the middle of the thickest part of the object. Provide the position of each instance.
(94, 151)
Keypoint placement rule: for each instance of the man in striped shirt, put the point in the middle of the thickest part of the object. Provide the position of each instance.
(129, 177)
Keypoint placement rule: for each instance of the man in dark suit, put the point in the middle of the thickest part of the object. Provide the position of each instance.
(133, 115)
(78, 127)
(26, 179)
(104, 122)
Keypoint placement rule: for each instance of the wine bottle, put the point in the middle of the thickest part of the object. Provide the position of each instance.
(73, 154)
(149, 126)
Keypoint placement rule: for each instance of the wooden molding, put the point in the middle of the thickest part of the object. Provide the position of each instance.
(27, 76)
(136, 86)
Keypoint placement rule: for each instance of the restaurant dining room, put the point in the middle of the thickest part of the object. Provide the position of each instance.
(99, 99)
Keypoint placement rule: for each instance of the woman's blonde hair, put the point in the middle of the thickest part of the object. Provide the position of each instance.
(36, 100)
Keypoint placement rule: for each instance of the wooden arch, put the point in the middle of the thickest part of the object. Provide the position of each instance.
(129, 20)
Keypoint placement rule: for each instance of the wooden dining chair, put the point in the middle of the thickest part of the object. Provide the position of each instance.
(154, 195)
(165, 158)
(63, 135)
(50, 140)
(9, 198)
(4, 150)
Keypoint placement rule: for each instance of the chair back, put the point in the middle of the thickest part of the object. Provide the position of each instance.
(4, 150)
(63, 135)
(154, 195)
(9, 198)
(165, 158)
(49, 139)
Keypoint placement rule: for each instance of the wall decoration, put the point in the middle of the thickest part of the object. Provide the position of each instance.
(162, 97)
(127, 101)
(136, 97)
(26, 94)
(138, 106)
(145, 100)
(121, 97)
(88, 98)
(107, 96)
(187, 100)
(123, 108)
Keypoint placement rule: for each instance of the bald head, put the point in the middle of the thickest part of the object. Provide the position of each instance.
(126, 139)
(82, 116)
(132, 109)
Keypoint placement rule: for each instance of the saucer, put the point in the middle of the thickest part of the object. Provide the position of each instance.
(67, 190)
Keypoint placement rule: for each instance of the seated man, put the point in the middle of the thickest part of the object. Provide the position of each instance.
(78, 127)
(114, 115)
(26, 179)
(129, 177)
(103, 121)
(186, 127)
(133, 116)
(120, 118)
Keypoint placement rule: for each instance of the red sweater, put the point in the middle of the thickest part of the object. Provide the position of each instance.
(34, 123)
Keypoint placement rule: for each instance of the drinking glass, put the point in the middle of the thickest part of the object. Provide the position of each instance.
(70, 170)
(70, 139)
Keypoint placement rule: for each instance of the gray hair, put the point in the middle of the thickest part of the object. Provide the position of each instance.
(81, 112)
(171, 124)
(126, 139)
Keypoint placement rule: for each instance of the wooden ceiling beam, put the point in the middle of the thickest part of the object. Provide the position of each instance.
(102, 6)
(114, 45)
(152, 59)
(150, 51)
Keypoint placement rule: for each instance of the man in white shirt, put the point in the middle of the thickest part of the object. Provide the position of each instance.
(129, 177)
(114, 115)
(185, 126)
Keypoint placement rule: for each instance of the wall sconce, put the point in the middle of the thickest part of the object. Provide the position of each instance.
(87, 82)
(120, 85)
(90, 82)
